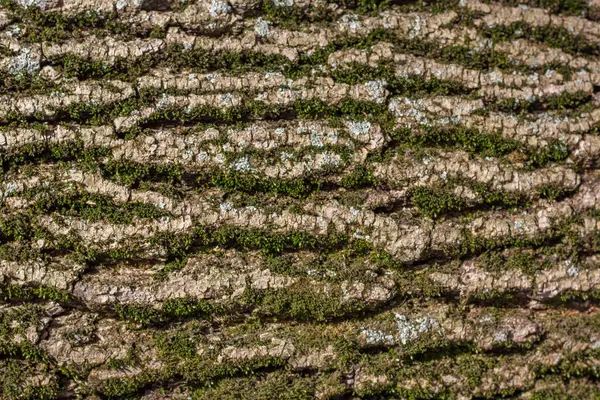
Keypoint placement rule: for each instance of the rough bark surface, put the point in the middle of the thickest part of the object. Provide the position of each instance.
(293, 199)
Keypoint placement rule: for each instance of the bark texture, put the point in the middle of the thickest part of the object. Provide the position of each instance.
(293, 199)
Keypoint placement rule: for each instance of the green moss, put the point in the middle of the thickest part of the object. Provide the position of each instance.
(360, 177)
(568, 100)
(347, 108)
(276, 385)
(48, 26)
(118, 388)
(412, 86)
(492, 197)
(555, 151)
(436, 348)
(553, 192)
(187, 308)
(435, 201)
(557, 389)
(116, 364)
(568, 7)
(132, 173)
(75, 66)
(568, 296)
(564, 103)
(158, 32)
(269, 243)
(552, 36)
(198, 60)
(364, 6)
(483, 60)
(475, 245)
(291, 17)
(10, 292)
(176, 57)
(14, 384)
(301, 305)
(576, 365)
(472, 368)
(418, 86)
(528, 262)
(173, 309)
(372, 7)
(179, 344)
(24, 83)
(89, 206)
(205, 373)
(250, 183)
(470, 139)
(141, 315)
(39, 153)
(197, 373)
(16, 227)
(23, 350)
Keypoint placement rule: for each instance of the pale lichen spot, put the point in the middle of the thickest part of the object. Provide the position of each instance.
(358, 128)
(219, 7)
(24, 62)
(226, 206)
(242, 164)
(377, 337)
(411, 330)
(261, 27)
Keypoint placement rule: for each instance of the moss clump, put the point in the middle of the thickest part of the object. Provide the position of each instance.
(197, 372)
(475, 245)
(14, 384)
(553, 192)
(568, 7)
(173, 309)
(16, 227)
(300, 305)
(371, 7)
(347, 108)
(10, 292)
(38, 153)
(564, 103)
(50, 26)
(526, 261)
(175, 56)
(177, 344)
(364, 6)
(412, 86)
(555, 151)
(132, 173)
(470, 139)
(119, 388)
(492, 197)
(89, 206)
(24, 83)
(552, 36)
(435, 201)
(205, 237)
(291, 17)
(275, 385)
(250, 183)
(203, 373)
(577, 365)
(360, 177)
(23, 351)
